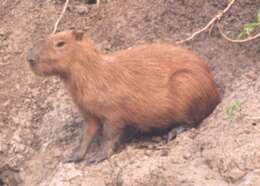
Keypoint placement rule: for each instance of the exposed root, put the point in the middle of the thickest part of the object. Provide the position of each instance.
(250, 38)
(209, 26)
(60, 17)
(212, 21)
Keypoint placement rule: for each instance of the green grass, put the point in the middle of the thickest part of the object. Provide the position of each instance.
(232, 108)
(248, 28)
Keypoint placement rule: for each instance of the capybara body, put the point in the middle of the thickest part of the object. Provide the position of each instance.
(153, 86)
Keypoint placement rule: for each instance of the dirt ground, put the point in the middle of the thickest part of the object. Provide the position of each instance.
(40, 126)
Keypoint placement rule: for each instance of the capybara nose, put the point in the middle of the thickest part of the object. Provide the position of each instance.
(32, 56)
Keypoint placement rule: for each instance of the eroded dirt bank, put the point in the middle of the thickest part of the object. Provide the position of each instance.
(40, 126)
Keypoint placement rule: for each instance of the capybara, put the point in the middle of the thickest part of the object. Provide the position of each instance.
(149, 87)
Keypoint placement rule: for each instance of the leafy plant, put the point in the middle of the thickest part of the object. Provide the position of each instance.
(248, 28)
(234, 106)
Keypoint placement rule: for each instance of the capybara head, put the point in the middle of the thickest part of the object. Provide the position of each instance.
(55, 54)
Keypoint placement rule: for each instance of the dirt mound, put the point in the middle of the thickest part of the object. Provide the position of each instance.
(40, 125)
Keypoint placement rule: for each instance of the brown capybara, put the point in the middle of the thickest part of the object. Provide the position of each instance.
(150, 87)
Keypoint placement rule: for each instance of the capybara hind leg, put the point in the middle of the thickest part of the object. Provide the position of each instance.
(175, 131)
(89, 132)
(111, 136)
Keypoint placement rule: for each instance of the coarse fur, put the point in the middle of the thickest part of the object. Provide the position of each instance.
(152, 86)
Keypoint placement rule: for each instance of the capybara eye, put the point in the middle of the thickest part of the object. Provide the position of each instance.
(60, 44)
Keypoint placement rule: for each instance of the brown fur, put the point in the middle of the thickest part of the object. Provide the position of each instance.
(153, 86)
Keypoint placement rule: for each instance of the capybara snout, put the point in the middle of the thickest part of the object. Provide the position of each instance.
(33, 53)
(54, 54)
(32, 57)
(152, 86)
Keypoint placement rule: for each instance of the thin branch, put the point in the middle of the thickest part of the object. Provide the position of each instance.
(60, 17)
(98, 1)
(253, 118)
(250, 38)
(213, 20)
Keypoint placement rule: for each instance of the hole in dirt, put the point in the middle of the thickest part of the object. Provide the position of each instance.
(91, 1)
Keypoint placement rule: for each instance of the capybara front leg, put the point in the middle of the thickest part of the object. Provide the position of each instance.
(111, 135)
(90, 129)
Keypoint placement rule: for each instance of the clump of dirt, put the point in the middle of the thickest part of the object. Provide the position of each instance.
(40, 126)
(9, 176)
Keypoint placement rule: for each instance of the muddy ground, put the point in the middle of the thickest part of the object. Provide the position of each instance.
(40, 126)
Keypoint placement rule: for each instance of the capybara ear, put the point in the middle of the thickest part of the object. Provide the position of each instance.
(78, 34)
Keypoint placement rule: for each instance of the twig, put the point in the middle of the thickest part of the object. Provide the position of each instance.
(60, 17)
(98, 1)
(253, 118)
(250, 38)
(213, 20)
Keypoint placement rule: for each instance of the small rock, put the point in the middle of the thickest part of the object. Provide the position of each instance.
(6, 58)
(82, 10)
(147, 153)
(2, 32)
(236, 174)
(164, 152)
(6, 103)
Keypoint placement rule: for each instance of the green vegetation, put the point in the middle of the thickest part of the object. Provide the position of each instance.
(230, 110)
(248, 28)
